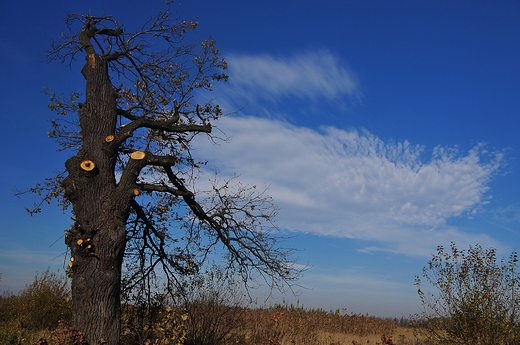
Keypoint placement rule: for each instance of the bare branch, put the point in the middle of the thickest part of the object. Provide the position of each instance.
(160, 189)
(241, 231)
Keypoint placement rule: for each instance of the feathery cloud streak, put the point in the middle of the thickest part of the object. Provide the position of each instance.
(309, 75)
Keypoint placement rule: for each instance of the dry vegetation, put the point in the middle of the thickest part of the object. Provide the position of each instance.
(481, 293)
(284, 326)
(32, 317)
(211, 311)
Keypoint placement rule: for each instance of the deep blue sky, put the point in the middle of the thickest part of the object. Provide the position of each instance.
(383, 128)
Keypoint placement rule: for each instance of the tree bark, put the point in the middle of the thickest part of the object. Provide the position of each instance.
(101, 209)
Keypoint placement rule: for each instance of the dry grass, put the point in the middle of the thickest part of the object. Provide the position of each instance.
(400, 336)
(284, 326)
(203, 322)
(269, 327)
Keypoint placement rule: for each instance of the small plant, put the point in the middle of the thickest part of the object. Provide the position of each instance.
(11, 334)
(36, 310)
(386, 340)
(476, 299)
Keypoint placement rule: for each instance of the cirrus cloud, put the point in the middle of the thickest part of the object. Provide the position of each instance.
(309, 76)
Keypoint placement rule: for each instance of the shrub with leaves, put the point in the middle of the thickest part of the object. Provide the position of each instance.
(475, 298)
(165, 325)
(44, 302)
(152, 321)
(64, 334)
(11, 333)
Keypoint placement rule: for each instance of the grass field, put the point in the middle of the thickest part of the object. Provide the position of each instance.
(286, 326)
(44, 308)
(207, 324)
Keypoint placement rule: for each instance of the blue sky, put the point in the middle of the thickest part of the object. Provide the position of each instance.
(383, 128)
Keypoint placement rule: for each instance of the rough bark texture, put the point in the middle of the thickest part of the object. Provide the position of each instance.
(100, 209)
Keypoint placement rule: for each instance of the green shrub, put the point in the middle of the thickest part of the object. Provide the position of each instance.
(476, 300)
(10, 330)
(43, 303)
(11, 334)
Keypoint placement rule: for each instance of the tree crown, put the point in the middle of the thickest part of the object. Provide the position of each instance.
(156, 115)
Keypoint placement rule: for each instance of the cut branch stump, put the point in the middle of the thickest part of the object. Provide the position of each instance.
(138, 155)
(87, 165)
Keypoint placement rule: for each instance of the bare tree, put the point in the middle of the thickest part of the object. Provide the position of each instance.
(131, 179)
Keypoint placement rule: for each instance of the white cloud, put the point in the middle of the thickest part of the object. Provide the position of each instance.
(352, 184)
(311, 75)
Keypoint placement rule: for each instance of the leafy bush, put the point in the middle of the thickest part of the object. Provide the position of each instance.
(7, 302)
(38, 307)
(152, 321)
(64, 334)
(43, 303)
(476, 299)
(10, 334)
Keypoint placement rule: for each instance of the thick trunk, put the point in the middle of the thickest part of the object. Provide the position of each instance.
(96, 286)
(97, 238)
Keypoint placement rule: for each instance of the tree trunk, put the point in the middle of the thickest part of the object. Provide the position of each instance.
(97, 237)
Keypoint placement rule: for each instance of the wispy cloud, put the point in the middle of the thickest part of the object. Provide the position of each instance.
(352, 184)
(311, 75)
